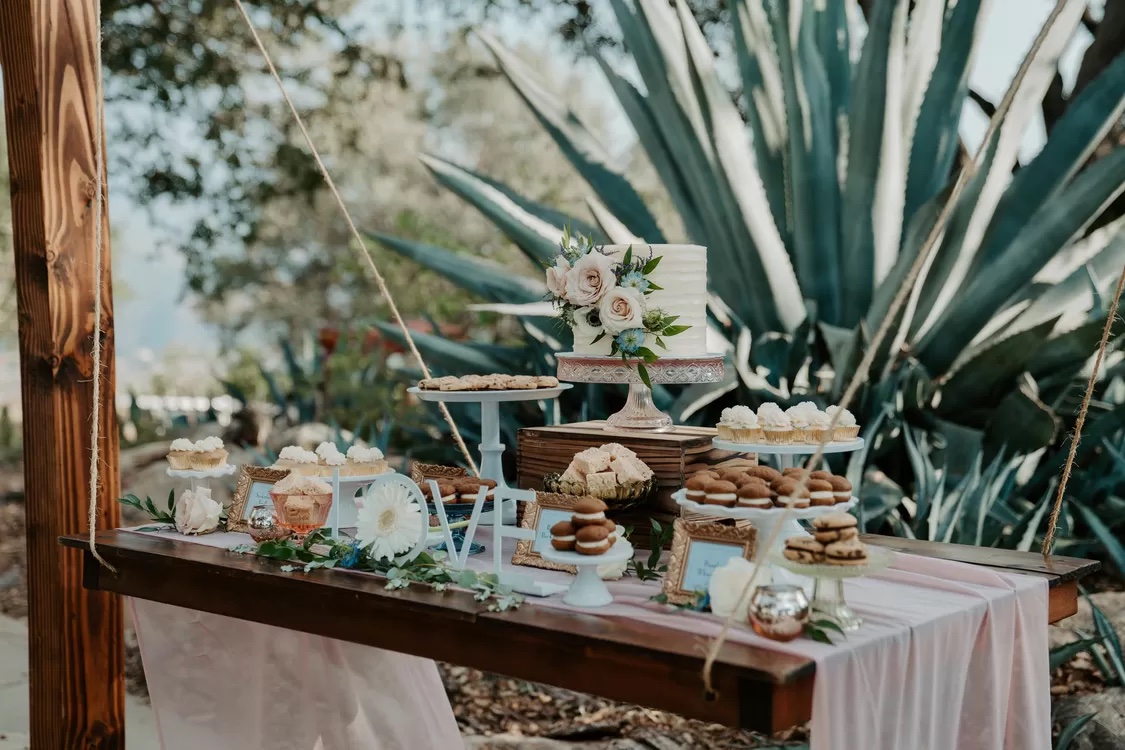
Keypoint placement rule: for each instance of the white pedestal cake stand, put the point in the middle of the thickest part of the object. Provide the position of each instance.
(639, 413)
(766, 521)
(491, 449)
(588, 589)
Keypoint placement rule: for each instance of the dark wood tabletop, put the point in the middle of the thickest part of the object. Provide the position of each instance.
(615, 658)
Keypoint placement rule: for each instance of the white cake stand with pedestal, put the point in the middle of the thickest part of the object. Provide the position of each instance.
(767, 521)
(588, 589)
(639, 412)
(491, 449)
(828, 592)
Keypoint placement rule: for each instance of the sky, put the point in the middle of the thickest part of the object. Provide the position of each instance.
(154, 320)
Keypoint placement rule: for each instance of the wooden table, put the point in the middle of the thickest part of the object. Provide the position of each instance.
(616, 659)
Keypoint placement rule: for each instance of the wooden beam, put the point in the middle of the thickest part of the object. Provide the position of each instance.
(47, 52)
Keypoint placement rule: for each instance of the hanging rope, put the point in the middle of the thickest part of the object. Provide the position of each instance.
(98, 216)
(915, 271)
(365, 254)
(1111, 317)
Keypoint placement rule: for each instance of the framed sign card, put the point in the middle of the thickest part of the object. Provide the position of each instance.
(698, 550)
(547, 510)
(253, 490)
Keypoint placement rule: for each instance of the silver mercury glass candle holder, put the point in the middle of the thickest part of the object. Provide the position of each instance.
(263, 526)
(779, 611)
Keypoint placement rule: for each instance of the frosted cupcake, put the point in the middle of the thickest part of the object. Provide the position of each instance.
(740, 425)
(180, 453)
(846, 426)
(801, 417)
(329, 458)
(364, 462)
(208, 454)
(297, 460)
(817, 431)
(775, 425)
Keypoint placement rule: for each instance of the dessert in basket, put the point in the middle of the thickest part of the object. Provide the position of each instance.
(610, 472)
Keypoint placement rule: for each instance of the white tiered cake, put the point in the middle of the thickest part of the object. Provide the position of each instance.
(682, 274)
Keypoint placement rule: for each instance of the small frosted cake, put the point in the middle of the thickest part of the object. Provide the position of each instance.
(846, 426)
(364, 462)
(329, 459)
(739, 424)
(297, 460)
(180, 453)
(208, 454)
(776, 426)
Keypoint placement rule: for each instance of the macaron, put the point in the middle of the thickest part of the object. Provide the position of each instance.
(754, 495)
(721, 492)
(820, 492)
(847, 552)
(767, 473)
(696, 486)
(592, 540)
(841, 488)
(562, 535)
(791, 493)
(589, 511)
(804, 549)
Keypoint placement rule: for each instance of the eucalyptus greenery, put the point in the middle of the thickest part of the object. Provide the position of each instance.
(320, 550)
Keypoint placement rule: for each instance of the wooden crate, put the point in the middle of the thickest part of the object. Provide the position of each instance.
(671, 455)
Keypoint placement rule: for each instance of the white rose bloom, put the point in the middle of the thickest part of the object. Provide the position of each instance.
(613, 571)
(622, 309)
(728, 583)
(196, 512)
(590, 280)
(557, 276)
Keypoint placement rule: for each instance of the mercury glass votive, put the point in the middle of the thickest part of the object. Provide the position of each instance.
(263, 525)
(779, 611)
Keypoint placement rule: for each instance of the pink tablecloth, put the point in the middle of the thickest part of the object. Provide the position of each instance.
(951, 657)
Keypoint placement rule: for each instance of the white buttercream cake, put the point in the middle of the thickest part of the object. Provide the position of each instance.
(682, 274)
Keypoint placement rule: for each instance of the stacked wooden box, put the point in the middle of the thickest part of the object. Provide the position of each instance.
(671, 455)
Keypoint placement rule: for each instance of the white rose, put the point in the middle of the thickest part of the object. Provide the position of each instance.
(727, 585)
(622, 309)
(557, 276)
(590, 279)
(196, 512)
(612, 571)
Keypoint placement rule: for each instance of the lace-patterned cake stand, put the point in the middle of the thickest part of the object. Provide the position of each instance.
(639, 412)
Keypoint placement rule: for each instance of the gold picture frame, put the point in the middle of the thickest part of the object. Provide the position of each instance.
(250, 479)
(559, 508)
(687, 574)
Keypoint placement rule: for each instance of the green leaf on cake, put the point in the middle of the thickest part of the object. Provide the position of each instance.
(651, 265)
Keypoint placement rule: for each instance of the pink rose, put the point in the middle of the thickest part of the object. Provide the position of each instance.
(621, 309)
(590, 279)
(556, 277)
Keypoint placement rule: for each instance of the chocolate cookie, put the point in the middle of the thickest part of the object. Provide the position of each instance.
(563, 535)
(592, 540)
(820, 492)
(835, 522)
(850, 552)
(827, 536)
(804, 549)
(589, 511)
(721, 492)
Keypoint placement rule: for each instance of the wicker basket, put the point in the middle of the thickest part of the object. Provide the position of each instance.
(626, 496)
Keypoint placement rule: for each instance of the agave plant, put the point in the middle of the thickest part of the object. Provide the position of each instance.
(816, 200)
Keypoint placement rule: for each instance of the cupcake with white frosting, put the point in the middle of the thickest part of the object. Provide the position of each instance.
(776, 427)
(740, 425)
(801, 417)
(846, 426)
(180, 454)
(364, 462)
(208, 454)
(817, 431)
(297, 460)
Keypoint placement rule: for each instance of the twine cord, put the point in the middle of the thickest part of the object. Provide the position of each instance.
(96, 354)
(364, 253)
(1111, 317)
(912, 276)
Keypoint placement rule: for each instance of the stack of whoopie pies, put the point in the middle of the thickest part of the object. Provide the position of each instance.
(763, 487)
(588, 532)
(458, 490)
(835, 541)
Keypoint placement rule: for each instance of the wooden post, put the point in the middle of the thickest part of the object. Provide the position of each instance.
(47, 50)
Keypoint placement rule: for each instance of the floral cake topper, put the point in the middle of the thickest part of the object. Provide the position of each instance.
(599, 296)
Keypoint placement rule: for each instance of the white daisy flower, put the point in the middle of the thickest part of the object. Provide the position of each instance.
(390, 521)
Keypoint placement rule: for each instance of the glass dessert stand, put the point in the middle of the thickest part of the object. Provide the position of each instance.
(588, 589)
(639, 412)
(767, 521)
(491, 449)
(828, 589)
(785, 453)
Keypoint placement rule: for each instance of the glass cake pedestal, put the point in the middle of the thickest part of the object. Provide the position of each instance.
(639, 412)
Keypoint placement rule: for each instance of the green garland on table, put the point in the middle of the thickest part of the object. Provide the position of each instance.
(319, 550)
